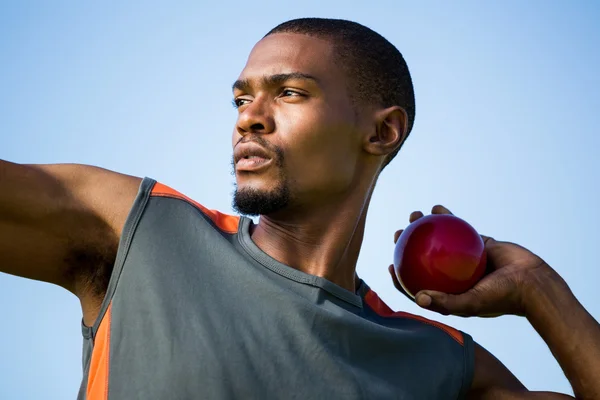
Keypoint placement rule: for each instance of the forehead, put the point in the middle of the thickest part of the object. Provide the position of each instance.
(291, 52)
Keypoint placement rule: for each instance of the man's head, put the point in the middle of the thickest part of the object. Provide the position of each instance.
(329, 102)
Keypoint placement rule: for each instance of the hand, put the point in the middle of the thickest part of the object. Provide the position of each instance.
(511, 269)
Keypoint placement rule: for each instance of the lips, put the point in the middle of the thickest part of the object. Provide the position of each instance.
(248, 150)
(250, 156)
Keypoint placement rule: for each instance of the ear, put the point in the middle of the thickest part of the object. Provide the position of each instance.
(391, 129)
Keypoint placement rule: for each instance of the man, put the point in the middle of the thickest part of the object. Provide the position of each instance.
(182, 302)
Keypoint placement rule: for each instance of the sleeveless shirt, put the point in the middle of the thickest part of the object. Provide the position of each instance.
(195, 310)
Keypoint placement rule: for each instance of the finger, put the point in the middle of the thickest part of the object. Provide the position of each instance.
(489, 244)
(439, 209)
(397, 235)
(415, 215)
(397, 284)
(464, 305)
(394, 278)
(487, 240)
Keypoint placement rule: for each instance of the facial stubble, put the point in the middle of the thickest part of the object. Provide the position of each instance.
(255, 202)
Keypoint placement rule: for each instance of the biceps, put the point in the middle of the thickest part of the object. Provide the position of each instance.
(54, 251)
(491, 373)
(493, 381)
(60, 223)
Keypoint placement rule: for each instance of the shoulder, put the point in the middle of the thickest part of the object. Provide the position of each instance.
(382, 310)
(447, 351)
(222, 221)
(141, 211)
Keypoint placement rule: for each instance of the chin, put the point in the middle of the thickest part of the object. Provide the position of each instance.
(259, 198)
(254, 185)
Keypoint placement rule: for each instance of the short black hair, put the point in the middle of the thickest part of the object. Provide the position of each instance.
(377, 70)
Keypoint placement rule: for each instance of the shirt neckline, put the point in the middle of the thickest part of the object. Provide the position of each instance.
(286, 271)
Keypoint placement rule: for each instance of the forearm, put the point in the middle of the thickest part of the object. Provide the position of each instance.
(568, 329)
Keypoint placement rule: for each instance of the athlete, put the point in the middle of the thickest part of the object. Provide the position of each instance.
(183, 302)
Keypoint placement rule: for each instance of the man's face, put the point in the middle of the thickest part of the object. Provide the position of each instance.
(297, 132)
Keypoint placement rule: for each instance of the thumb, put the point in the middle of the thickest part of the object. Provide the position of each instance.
(464, 305)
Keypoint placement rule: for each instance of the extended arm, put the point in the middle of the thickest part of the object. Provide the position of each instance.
(61, 223)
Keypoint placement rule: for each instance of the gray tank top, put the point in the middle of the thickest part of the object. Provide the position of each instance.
(195, 310)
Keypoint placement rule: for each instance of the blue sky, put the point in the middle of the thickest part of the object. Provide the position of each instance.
(506, 136)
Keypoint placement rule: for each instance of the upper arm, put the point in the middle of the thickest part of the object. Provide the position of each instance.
(492, 380)
(61, 223)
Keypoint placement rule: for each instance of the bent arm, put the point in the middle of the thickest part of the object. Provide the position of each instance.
(493, 381)
(60, 222)
(570, 332)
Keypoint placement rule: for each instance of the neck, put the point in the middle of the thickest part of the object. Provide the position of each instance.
(324, 241)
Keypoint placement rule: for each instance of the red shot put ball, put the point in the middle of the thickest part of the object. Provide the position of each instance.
(439, 252)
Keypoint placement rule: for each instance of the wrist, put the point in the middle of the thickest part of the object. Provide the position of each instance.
(544, 291)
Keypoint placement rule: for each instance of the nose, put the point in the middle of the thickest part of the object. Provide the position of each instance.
(256, 117)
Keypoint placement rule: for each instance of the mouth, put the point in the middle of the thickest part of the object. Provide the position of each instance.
(252, 163)
(251, 157)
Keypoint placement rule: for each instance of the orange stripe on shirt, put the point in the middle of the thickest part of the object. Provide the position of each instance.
(383, 310)
(97, 385)
(226, 223)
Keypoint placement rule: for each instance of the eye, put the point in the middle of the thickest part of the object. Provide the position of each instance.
(237, 102)
(290, 93)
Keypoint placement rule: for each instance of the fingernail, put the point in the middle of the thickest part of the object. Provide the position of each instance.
(423, 300)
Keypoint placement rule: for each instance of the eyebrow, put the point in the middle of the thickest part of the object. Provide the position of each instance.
(273, 80)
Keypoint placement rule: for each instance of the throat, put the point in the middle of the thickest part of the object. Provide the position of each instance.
(330, 252)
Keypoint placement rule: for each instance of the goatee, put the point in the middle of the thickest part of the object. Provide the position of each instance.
(252, 202)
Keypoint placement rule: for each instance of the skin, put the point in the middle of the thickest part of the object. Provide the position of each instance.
(523, 284)
(334, 155)
(78, 212)
(62, 223)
